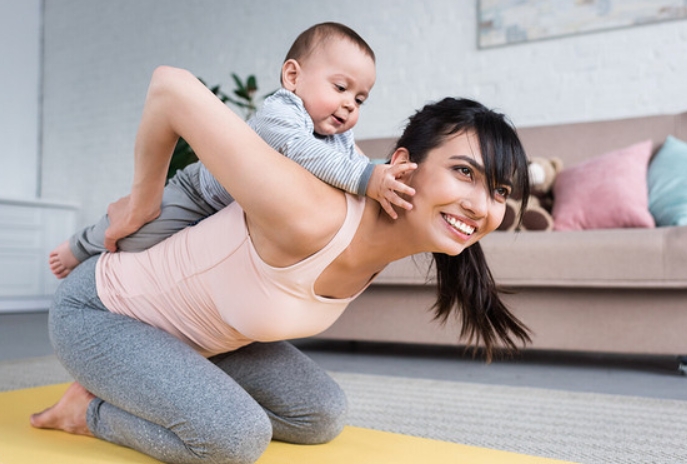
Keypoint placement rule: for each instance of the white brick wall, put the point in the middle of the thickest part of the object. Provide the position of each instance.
(99, 55)
(20, 24)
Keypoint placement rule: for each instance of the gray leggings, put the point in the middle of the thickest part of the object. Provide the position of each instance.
(157, 395)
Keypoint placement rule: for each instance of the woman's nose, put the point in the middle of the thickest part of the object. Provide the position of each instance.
(477, 204)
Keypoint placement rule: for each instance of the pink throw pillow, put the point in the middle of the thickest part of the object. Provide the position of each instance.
(606, 192)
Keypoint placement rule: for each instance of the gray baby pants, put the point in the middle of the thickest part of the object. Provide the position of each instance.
(182, 205)
(157, 395)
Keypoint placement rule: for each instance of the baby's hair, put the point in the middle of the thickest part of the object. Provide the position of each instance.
(318, 34)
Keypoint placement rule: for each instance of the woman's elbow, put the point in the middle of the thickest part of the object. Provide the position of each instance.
(169, 72)
(166, 78)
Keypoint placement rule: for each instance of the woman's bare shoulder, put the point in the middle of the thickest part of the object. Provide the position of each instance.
(311, 225)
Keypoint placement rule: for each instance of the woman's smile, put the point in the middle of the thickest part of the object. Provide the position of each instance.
(459, 225)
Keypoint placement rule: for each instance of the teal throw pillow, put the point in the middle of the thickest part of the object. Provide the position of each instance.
(667, 181)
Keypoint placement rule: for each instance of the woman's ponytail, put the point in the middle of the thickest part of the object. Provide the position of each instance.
(466, 288)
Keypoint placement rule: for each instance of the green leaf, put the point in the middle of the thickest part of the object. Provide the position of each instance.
(243, 98)
(241, 93)
(237, 81)
(252, 84)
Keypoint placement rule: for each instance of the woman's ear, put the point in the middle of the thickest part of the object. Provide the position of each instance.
(401, 155)
(290, 71)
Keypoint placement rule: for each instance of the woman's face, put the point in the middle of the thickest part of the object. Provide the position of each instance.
(453, 207)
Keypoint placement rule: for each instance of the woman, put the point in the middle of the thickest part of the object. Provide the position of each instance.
(278, 266)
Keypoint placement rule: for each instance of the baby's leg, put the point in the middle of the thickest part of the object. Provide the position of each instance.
(182, 205)
(62, 260)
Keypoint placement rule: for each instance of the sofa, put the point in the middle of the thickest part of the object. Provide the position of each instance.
(618, 290)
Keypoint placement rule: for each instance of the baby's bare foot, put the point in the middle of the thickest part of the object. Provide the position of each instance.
(62, 260)
(68, 414)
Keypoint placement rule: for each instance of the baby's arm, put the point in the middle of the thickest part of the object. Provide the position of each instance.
(283, 123)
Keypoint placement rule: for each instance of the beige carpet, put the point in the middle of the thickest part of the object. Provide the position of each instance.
(580, 427)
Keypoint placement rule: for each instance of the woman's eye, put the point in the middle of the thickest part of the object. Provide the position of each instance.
(503, 192)
(464, 170)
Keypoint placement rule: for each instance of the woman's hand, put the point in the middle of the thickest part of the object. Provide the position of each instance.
(125, 219)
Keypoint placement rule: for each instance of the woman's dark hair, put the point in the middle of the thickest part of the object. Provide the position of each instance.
(465, 285)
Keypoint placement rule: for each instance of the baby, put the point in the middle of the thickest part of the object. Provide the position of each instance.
(327, 75)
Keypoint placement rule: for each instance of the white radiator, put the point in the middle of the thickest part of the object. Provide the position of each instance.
(29, 229)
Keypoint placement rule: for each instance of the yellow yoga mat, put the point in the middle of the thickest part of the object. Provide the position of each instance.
(22, 444)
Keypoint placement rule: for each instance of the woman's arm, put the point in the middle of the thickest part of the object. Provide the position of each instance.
(275, 192)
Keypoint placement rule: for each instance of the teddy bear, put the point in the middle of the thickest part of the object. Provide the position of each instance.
(537, 216)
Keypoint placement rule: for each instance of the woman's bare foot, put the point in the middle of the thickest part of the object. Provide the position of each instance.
(62, 260)
(68, 414)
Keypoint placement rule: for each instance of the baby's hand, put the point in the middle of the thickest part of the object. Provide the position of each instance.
(385, 187)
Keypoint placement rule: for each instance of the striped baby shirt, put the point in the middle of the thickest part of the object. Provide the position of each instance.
(285, 125)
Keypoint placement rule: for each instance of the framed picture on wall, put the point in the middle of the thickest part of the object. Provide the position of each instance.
(504, 22)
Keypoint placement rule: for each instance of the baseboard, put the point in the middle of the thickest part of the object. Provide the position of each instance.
(24, 305)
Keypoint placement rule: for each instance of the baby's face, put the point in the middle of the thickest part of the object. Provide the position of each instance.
(334, 81)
